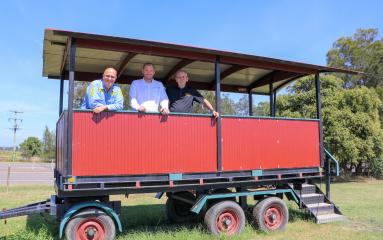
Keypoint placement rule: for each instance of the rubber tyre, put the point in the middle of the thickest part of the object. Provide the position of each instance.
(178, 211)
(88, 220)
(271, 214)
(225, 218)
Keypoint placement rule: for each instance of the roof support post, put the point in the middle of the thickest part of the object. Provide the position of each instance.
(61, 104)
(250, 103)
(272, 113)
(218, 109)
(319, 116)
(274, 102)
(72, 63)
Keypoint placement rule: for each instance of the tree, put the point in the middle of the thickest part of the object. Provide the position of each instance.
(79, 93)
(48, 144)
(31, 147)
(351, 125)
(227, 104)
(362, 52)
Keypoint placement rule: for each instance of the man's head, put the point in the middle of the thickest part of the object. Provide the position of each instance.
(181, 78)
(109, 77)
(148, 71)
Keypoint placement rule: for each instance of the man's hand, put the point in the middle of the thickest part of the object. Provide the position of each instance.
(141, 109)
(215, 114)
(100, 109)
(164, 111)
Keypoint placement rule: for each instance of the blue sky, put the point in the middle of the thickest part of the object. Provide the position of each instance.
(293, 30)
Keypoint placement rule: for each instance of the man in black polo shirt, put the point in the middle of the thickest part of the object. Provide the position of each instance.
(181, 98)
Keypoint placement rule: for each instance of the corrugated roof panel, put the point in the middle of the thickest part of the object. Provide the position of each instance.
(99, 54)
(162, 65)
(245, 77)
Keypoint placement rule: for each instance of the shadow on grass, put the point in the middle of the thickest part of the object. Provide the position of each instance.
(42, 225)
(151, 218)
(297, 214)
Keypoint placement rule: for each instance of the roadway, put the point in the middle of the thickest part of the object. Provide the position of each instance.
(26, 173)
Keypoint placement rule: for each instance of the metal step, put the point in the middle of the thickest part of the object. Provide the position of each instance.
(320, 208)
(305, 189)
(312, 198)
(333, 217)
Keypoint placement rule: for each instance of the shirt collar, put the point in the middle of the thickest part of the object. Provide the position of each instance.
(103, 86)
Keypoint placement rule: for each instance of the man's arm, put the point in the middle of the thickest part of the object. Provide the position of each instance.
(210, 107)
(199, 98)
(94, 97)
(119, 101)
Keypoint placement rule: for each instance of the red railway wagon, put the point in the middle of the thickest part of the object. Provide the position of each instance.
(205, 166)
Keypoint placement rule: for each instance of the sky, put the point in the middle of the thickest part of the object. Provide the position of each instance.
(296, 30)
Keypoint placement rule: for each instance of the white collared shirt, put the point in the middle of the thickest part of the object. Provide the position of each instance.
(149, 95)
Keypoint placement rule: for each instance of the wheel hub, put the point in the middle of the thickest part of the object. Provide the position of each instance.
(227, 222)
(90, 229)
(91, 232)
(273, 218)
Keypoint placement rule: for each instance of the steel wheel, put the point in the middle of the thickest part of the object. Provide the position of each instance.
(271, 214)
(90, 224)
(225, 218)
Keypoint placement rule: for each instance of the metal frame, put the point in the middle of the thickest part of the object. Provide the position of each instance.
(202, 200)
(271, 91)
(72, 66)
(61, 103)
(67, 186)
(218, 108)
(250, 103)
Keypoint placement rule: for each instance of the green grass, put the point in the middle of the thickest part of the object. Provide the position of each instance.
(6, 156)
(143, 217)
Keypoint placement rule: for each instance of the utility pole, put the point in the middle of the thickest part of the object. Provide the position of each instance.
(15, 127)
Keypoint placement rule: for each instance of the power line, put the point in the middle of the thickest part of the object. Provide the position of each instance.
(15, 127)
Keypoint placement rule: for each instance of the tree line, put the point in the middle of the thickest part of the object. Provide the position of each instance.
(45, 148)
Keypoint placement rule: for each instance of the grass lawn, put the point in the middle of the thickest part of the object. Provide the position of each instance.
(143, 217)
(6, 156)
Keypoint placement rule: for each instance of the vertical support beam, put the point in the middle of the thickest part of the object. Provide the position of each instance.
(319, 116)
(218, 109)
(61, 94)
(250, 103)
(72, 63)
(274, 103)
(272, 114)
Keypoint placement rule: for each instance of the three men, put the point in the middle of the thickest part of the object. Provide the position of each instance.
(147, 94)
(103, 94)
(182, 97)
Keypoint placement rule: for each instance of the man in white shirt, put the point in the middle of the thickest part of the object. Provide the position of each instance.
(147, 94)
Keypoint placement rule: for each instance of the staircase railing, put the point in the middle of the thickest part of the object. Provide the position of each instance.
(329, 158)
(332, 158)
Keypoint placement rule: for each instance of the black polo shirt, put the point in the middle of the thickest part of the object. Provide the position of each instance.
(181, 99)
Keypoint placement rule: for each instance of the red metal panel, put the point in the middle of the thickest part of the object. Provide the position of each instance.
(127, 143)
(268, 144)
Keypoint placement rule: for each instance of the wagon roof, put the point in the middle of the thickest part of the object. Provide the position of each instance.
(239, 72)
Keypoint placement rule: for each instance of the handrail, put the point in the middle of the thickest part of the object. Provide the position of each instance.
(334, 160)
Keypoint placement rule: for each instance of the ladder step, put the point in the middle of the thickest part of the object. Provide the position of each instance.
(312, 198)
(305, 189)
(320, 208)
(333, 217)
